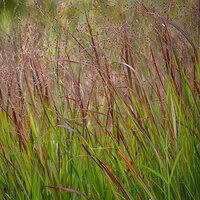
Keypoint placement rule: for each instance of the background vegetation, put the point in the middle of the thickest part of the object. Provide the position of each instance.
(99, 99)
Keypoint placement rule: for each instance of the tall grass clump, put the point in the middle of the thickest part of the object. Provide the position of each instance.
(100, 100)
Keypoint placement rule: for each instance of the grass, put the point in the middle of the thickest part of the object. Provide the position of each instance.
(99, 109)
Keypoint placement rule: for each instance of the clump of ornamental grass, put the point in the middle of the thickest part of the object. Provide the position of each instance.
(113, 115)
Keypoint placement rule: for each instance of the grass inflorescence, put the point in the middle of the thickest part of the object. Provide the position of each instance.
(102, 106)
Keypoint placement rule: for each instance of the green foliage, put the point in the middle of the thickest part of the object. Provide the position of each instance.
(99, 100)
(12, 6)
